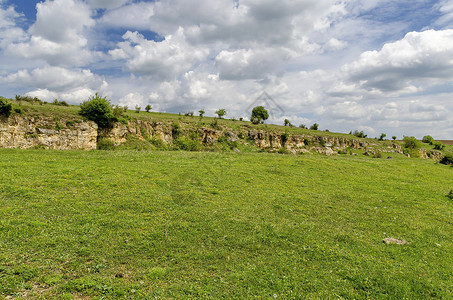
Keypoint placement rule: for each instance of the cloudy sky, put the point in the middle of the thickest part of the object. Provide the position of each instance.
(382, 66)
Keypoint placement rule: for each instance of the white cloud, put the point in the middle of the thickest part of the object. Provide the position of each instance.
(57, 37)
(108, 4)
(9, 32)
(135, 16)
(420, 59)
(164, 60)
(49, 83)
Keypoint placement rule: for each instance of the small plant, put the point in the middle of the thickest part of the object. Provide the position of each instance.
(19, 110)
(221, 112)
(58, 126)
(175, 130)
(450, 195)
(137, 108)
(60, 103)
(315, 126)
(148, 108)
(286, 122)
(394, 138)
(5, 107)
(377, 155)
(427, 139)
(382, 137)
(285, 138)
(447, 159)
(201, 112)
(105, 144)
(302, 126)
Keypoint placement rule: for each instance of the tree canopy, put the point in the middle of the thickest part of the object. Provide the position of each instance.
(259, 115)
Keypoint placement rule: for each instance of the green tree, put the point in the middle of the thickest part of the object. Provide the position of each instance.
(137, 108)
(201, 112)
(259, 115)
(97, 109)
(394, 137)
(148, 108)
(428, 139)
(5, 107)
(382, 137)
(221, 112)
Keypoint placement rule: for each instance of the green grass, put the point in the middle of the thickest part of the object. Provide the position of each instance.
(138, 225)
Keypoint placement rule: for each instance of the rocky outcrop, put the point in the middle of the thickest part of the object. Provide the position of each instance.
(29, 132)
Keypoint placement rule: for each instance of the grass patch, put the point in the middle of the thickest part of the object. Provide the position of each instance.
(140, 224)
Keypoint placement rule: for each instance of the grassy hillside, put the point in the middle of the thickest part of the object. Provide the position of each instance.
(140, 225)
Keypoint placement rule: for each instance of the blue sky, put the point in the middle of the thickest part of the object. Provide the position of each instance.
(380, 66)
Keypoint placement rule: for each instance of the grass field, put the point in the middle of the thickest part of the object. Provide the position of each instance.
(141, 225)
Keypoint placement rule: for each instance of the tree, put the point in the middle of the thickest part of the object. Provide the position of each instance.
(382, 137)
(148, 108)
(315, 126)
(97, 109)
(428, 139)
(201, 112)
(394, 137)
(137, 108)
(259, 115)
(221, 112)
(286, 122)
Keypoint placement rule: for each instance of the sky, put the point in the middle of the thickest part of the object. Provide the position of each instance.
(381, 66)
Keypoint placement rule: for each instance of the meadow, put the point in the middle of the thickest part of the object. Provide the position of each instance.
(173, 224)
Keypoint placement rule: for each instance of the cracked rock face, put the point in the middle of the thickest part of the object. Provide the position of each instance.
(29, 132)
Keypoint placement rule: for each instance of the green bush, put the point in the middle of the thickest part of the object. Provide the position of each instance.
(447, 159)
(19, 110)
(410, 142)
(187, 144)
(427, 139)
(450, 195)
(175, 130)
(97, 109)
(5, 107)
(285, 138)
(105, 144)
(438, 146)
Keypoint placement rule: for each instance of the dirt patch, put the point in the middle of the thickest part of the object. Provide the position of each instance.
(389, 241)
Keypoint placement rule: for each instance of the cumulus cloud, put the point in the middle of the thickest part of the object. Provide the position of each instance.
(53, 82)
(407, 65)
(159, 60)
(107, 4)
(9, 31)
(57, 37)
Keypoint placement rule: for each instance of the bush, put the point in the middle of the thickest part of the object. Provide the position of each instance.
(447, 159)
(5, 107)
(410, 142)
(359, 134)
(175, 130)
(187, 144)
(315, 126)
(285, 138)
(427, 139)
(105, 144)
(221, 112)
(450, 195)
(97, 109)
(19, 110)
(438, 146)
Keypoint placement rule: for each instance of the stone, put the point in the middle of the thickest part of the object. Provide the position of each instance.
(391, 240)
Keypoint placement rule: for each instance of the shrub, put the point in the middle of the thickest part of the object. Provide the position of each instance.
(394, 137)
(447, 159)
(5, 107)
(438, 146)
(450, 195)
(19, 110)
(315, 126)
(259, 115)
(285, 138)
(410, 142)
(148, 108)
(60, 103)
(97, 109)
(137, 108)
(221, 112)
(359, 134)
(175, 130)
(382, 137)
(427, 139)
(302, 126)
(187, 144)
(105, 144)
